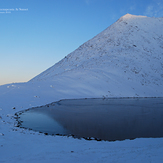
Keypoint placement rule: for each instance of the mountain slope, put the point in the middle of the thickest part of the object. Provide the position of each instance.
(126, 59)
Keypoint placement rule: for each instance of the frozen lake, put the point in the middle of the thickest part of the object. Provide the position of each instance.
(101, 119)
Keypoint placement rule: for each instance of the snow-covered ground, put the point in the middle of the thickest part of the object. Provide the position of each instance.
(125, 60)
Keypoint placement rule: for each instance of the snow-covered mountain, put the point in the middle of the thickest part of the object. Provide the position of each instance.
(126, 59)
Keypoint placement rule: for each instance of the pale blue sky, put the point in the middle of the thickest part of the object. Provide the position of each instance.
(33, 40)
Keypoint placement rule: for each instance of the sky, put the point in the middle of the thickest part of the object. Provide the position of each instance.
(36, 34)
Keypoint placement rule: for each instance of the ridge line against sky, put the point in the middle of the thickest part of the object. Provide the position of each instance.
(39, 33)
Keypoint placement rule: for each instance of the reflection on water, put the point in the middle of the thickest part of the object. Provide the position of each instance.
(109, 119)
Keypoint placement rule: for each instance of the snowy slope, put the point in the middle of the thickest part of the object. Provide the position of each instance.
(127, 55)
(126, 59)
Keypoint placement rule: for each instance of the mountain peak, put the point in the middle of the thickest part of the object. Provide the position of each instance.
(125, 56)
(130, 16)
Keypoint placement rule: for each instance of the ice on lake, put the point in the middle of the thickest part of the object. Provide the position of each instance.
(101, 119)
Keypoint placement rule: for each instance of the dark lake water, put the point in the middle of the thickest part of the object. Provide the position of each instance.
(100, 119)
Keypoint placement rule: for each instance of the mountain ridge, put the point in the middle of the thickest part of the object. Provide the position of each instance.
(130, 51)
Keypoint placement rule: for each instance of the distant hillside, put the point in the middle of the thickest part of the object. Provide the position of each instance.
(126, 59)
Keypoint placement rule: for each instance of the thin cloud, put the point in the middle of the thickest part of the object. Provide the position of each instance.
(132, 8)
(154, 10)
(87, 2)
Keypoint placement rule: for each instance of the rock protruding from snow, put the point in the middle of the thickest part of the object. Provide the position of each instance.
(127, 54)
